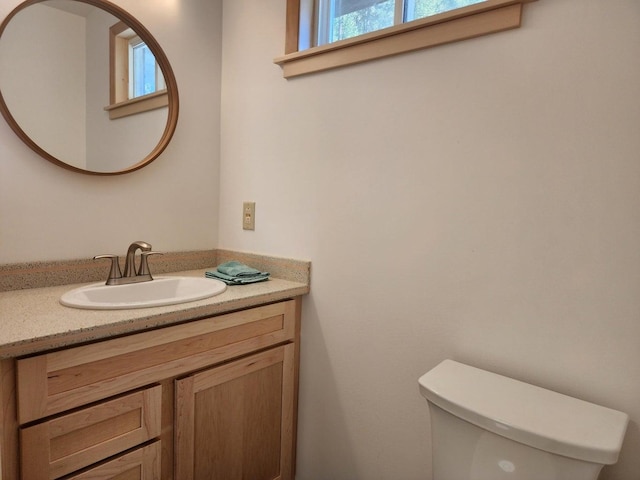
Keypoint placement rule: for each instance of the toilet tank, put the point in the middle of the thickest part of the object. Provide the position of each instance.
(488, 427)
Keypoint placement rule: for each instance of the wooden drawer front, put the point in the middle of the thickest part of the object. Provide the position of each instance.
(58, 381)
(141, 464)
(65, 444)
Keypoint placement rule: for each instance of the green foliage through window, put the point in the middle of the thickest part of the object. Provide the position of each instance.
(425, 8)
(358, 22)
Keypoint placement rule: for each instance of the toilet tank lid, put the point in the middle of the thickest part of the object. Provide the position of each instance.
(525, 413)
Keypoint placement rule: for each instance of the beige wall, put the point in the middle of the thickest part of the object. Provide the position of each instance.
(49, 213)
(478, 201)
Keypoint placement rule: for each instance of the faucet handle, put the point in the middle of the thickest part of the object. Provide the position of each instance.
(144, 263)
(114, 272)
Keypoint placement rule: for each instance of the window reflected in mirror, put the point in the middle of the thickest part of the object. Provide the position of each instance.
(137, 83)
(145, 76)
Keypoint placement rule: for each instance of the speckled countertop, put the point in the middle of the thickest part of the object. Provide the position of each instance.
(33, 320)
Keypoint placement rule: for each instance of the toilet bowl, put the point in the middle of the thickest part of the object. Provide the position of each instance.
(486, 426)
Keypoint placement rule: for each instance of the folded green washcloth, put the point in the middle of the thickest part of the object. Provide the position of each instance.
(229, 280)
(236, 273)
(237, 269)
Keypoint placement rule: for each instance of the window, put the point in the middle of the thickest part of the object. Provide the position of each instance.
(341, 19)
(136, 80)
(324, 34)
(145, 76)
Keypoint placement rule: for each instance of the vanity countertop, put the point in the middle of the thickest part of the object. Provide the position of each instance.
(33, 320)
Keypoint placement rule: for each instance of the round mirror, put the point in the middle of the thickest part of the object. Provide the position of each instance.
(86, 86)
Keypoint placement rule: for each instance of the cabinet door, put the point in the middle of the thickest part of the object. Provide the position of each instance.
(236, 421)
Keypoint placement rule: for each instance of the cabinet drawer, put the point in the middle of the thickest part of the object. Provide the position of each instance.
(58, 381)
(141, 464)
(68, 443)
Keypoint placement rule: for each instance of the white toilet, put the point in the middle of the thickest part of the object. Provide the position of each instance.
(488, 427)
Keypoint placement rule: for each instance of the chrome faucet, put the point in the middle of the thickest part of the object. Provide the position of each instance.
(130, 274)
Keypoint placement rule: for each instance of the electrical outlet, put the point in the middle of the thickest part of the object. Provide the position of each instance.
(249, 215)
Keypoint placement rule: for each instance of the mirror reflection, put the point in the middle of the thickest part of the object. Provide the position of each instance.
(69, 72)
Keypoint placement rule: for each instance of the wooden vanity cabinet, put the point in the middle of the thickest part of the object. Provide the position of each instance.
(214, 398)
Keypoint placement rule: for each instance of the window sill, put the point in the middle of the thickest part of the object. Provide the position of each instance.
(476, 20)
(138, 105)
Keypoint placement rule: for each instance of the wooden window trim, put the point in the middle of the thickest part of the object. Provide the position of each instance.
(138, 105)
(118, 64)
(469, 22)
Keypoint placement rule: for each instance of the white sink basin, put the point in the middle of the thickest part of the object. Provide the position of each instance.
(159, 291)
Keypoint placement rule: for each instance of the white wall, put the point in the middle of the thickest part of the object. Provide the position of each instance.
(49, 213)
(477, 201)
(46, 96)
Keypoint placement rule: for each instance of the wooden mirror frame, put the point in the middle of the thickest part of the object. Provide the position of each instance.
(161, 59)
